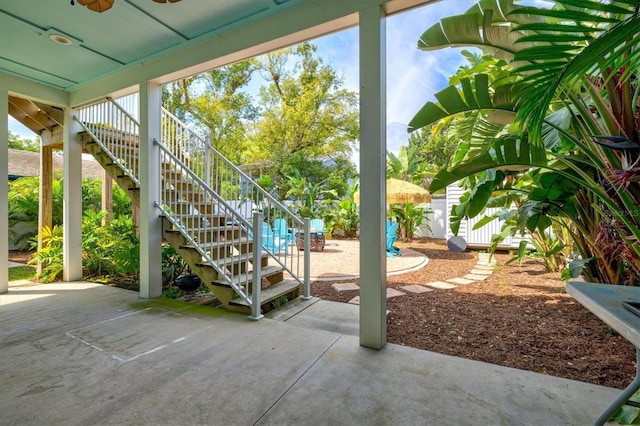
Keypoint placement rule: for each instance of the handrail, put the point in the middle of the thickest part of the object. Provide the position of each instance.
(190, 161)
(116, 132)
(231, 183)
(207, 146)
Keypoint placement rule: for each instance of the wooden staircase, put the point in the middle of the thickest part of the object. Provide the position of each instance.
(227, 244)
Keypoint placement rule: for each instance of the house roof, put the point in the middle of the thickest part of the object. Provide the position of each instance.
(26, 163)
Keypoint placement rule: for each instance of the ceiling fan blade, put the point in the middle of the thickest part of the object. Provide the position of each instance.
(97, 5)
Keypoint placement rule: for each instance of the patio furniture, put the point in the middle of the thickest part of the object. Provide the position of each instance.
(316, 236)
(605, 301)
(282, 230)
(272, 241)
(392, 229)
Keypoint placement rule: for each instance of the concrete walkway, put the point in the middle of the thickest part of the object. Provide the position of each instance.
(86, 354)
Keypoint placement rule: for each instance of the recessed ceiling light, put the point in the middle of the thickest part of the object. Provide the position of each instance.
(60, 39)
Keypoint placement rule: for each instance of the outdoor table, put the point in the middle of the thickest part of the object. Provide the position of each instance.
(316, 240)
(605, 301)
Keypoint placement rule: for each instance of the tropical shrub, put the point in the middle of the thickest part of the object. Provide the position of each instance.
(345, 218)
(49, 257)
(110, 249)
(562, 117)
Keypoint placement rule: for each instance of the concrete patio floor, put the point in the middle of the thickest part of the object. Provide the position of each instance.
(340, 260)
(84, 354)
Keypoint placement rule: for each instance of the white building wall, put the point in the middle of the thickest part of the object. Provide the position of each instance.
(436, 220)
(481, 237)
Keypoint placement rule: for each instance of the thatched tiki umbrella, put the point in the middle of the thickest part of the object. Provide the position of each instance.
(402, 192)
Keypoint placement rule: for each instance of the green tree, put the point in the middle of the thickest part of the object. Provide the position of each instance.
(218, 104)
(435, 150)
(23, 144)
(304, 114)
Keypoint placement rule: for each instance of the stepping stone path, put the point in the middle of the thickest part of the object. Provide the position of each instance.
(480, 272)
(441, 285)
(483, 269)
(415, 288)
(391, 292)
(462, 281)
(340, 287)
(474, 277)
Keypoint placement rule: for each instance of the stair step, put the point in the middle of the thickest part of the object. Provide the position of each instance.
(247, 277)
(208, 245)
(225, 261)
(271, 293)
(204, 235)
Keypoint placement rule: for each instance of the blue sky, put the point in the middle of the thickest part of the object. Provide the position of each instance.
(413, 76)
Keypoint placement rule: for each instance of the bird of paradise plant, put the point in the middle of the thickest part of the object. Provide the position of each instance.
(566, 116)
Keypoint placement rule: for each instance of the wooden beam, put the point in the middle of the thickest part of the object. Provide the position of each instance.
(31, 115)
(45, 205)
(107, 197)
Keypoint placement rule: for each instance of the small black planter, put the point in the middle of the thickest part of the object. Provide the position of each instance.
(188, 282)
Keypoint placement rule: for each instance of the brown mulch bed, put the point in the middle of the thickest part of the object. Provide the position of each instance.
(519, 317)
(20, 256)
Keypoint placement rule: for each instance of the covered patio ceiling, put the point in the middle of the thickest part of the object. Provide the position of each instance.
(68, 47)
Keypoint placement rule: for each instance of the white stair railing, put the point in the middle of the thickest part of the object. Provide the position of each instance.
(204, 194)
(243, 194)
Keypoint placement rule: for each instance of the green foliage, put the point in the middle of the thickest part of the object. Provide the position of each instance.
(21, 273)
(310, 199)
(50, 255)
(409, 217)
(345, 217)
(627, 414)
(172, 265)
(407, 165)
(569, 85)
(112, 249)
(24, 202)
(23, 144)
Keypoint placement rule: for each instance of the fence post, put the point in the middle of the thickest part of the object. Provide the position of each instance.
(256, 281)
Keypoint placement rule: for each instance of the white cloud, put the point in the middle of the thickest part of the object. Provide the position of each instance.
(17, 128)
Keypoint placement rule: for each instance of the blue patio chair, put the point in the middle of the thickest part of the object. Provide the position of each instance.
(317, 226)
(392, 232)
(272, 241)
(281, 229)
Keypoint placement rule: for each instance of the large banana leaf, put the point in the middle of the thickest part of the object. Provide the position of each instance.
(505, 153)
(561, 59)
(470, 97)
(485, 26)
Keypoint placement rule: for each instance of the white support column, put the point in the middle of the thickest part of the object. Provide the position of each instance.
(72, 207)
(150, 222)
(4, 185)
(373, 150)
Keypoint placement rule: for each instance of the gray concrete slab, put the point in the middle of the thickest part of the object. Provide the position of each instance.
(85, 354)
(402, 386)
(342, 318)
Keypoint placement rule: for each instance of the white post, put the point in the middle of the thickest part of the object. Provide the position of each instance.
(4, 189)
(72, 208)
(306, 232)
(256, 280)
(150, 221)
(373, 265)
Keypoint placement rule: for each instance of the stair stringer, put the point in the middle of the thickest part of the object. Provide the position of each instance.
(279, 288)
